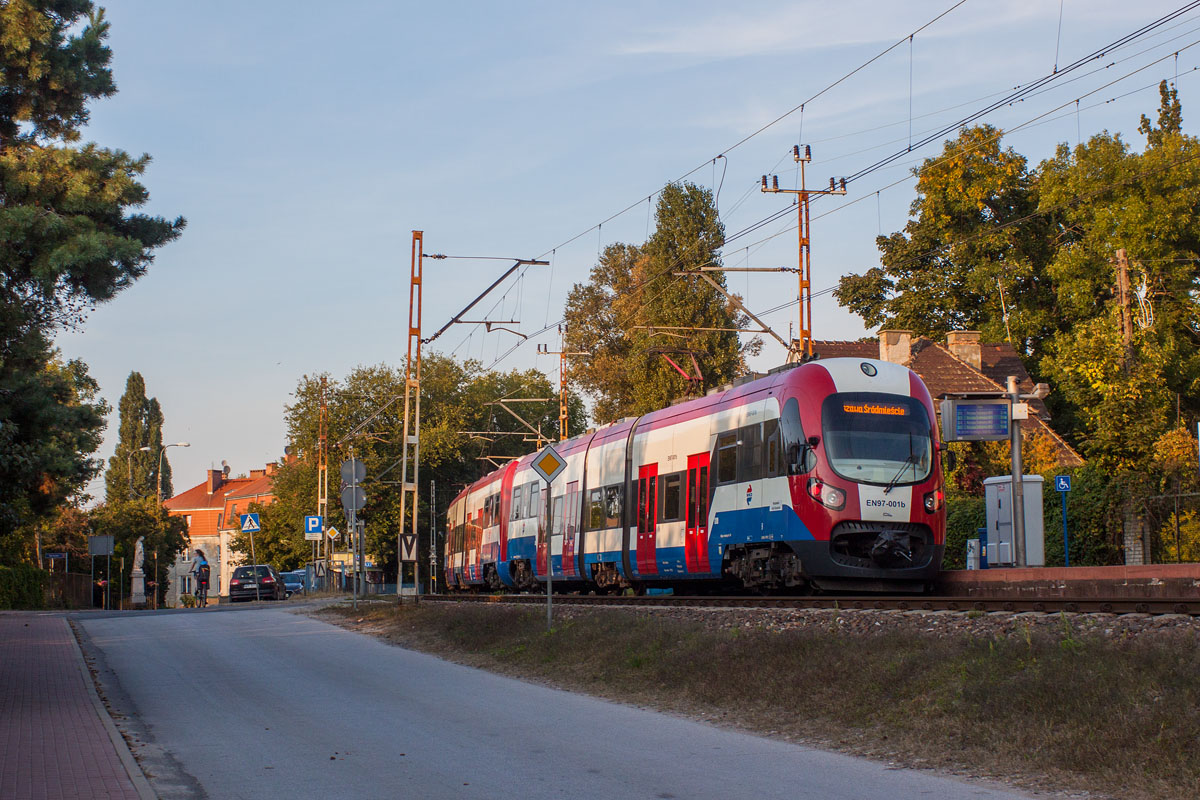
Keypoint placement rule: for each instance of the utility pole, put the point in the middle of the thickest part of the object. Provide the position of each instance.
(1018, 478)
(412, 409)
(802, 349)
(562, 354)
(323, 479)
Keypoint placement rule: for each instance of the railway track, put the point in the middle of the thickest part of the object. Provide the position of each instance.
(1189, 606)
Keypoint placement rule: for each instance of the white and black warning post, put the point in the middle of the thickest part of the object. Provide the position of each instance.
(549, 464)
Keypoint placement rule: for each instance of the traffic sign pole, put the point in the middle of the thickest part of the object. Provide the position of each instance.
(1063, 484)
(549, 464)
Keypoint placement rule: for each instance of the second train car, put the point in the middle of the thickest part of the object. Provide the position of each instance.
(827, 475)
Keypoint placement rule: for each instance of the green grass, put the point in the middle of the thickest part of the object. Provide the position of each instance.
(1061, 709)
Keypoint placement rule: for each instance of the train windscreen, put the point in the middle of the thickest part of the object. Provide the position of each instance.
(877, 438)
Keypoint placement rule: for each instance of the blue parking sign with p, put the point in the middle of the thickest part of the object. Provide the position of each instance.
(312, 525)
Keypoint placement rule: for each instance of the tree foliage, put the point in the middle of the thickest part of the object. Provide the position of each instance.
(1049, 237)
(624, 315)
(70, 237)
(366, 413)
(126, 522)
(133, 472)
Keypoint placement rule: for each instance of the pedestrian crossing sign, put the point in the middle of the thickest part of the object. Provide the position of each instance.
(250, 523)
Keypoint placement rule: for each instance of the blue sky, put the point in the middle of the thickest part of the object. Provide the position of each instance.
(305, 141)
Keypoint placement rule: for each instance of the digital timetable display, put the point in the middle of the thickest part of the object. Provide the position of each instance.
(976, 420)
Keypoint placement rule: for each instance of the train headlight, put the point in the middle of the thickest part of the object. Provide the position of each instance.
(934, 500)
(826, 495)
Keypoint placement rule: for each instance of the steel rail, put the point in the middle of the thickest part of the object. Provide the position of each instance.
(1189, 606)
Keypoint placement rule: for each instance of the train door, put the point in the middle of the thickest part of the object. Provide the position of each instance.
(572, 528)
(647, 554)
(696, 535)
(543, 531)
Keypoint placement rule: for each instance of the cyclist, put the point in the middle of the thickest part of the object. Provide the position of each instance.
(201, 572)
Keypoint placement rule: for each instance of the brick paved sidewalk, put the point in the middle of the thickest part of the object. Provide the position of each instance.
(56, 739)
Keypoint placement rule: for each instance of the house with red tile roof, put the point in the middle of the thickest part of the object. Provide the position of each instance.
(962, 364)
(212, 510)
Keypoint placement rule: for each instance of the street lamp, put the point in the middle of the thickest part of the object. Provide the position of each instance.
(160, 456)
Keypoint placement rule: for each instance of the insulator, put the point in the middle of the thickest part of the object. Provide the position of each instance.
(764, 183)
(796, 152)
(832, 185)
(775, 182)
(843, 184)
(808, 152)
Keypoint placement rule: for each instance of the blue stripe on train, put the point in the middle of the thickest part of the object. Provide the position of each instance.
(737, 526)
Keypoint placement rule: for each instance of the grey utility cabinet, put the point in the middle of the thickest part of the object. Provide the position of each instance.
(998, 496)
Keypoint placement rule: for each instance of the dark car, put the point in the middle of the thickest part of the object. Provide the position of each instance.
(252, 583)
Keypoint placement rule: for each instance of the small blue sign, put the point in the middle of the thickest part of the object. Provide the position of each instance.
(313, 524)
(250, 523)
(749, 494)
(1062, 483)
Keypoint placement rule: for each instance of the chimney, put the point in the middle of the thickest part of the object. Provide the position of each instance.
(257, 473)
(272, 466)
(895, 346)
(215, 479)
(964, 345)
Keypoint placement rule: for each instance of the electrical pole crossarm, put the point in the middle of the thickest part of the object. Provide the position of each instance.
(520, 262)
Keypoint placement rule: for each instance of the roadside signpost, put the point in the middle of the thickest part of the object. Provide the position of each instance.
(1062, 483)
(549, 464)
(354, 472)
(102, 546)
(251, 525)
(313, 527)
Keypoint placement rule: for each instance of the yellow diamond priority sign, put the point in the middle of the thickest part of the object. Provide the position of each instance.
(548, 463)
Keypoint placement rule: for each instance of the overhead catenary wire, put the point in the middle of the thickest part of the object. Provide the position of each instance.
(1025, 91)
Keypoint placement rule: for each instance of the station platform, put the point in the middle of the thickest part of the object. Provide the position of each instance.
(1151, 581)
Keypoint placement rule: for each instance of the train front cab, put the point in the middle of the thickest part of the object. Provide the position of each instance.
(864, 461)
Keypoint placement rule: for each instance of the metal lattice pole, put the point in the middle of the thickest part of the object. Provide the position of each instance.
(412, 412)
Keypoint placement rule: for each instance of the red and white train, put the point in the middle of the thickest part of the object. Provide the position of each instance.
(826, 475)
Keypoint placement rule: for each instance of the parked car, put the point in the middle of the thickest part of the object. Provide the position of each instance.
(294, 582)
(252, 583)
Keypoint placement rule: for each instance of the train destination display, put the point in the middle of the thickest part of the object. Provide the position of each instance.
(975, 420)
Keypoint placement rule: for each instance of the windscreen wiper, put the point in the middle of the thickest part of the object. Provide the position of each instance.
(910, 460)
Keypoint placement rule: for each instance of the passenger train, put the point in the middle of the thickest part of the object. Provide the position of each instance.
(826, 475)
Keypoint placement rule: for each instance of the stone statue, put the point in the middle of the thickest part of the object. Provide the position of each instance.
(138, 578)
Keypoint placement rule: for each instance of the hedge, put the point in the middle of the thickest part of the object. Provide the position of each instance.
(23, 586)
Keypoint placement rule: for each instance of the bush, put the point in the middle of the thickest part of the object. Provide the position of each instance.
(23, 586)
(964, 517)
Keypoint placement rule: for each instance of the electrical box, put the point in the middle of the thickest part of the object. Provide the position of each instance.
(998, 500)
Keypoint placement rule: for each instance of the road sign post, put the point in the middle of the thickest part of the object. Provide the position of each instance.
(354, 472)
(1063, 484)
(250, 525)
(549, 464)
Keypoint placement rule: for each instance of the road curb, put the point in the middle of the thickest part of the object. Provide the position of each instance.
(136, 776)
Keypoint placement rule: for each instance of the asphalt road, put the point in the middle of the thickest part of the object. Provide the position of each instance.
(260, 702)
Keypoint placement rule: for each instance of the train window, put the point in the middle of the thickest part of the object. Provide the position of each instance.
(727, 457)
(670, 492)
(771, 448)
(750, 453)
(702, 496)
(535, 500)
(556, 515)
(612, 506)
(596, 509)
(517, 509)
(798, 457)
